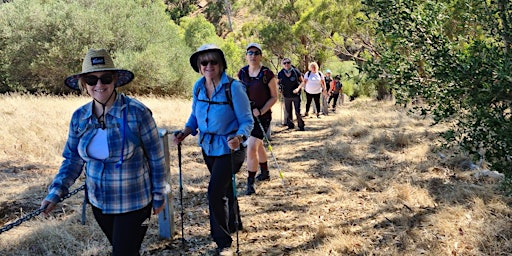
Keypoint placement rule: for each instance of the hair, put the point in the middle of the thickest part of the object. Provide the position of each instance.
(313, 64)
(211, 55)
(285, 59)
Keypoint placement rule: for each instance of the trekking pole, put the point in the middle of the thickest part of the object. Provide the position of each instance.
(235, 203)
(269, 146)
(181, 190)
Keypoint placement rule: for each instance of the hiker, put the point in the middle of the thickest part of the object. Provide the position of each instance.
(262, 89)
(314, 85)
(222, 115)
(116, 138)
(325, 97)
(336, 88)
(289, 80)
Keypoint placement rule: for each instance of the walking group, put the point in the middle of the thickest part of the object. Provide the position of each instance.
(114, 139)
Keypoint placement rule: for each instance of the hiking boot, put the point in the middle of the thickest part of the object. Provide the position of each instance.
(305, 114)
(264, 175)
(301, 129)
(226, 251)
(250, 186)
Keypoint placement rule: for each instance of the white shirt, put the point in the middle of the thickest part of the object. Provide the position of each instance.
(313, 82)
(98, 147)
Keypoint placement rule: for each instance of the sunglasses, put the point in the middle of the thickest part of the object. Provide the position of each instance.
(255, 53)
(93, 80)
(205, 63)
(286, 62)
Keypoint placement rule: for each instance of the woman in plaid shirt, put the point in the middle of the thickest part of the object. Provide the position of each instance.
(117, 140)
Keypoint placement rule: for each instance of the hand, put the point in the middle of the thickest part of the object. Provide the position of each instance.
(179, 136)
(256, 112)
(296, 90)
(47, 206)
(234, 142)
(157, 211)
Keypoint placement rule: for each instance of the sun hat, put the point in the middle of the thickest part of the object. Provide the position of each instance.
(206, 48)
(327, 71)
(97, 60)
(253, 45)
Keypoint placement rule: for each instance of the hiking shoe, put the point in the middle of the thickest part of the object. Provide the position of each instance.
(250, 186)
(305, 114)
(301, 129)
(264, 175)
(226, 251)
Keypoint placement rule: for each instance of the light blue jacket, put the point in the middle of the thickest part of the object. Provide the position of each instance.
(216, 122)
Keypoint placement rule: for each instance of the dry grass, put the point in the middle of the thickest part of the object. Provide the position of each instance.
(365, 181)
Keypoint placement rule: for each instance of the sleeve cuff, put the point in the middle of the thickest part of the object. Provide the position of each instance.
(157, 203)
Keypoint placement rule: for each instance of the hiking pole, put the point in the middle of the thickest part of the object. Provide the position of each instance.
(269, 146)
(235, 202)
(176, 133)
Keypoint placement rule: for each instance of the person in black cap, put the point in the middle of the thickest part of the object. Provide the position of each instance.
(116, 138)
(262, 89)
(289, 80)
(221, 115)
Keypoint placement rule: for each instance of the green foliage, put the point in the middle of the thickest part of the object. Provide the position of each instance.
(234, 54)
(458, 63)
(199, 31)
(45, 41)
(178, 9)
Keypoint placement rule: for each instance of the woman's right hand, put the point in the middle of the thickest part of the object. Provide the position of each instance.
(179, 136)
(47, 206)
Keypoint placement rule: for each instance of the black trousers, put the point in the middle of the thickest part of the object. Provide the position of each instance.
(334, 96)
(310, 97)
(288, 101)
(124, 231)
(221, 200)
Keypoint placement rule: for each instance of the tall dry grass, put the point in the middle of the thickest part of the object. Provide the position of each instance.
(368, 180)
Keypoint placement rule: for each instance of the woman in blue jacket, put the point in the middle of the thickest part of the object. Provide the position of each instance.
(222, 118)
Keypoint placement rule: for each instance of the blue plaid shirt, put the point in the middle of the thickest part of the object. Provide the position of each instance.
(131, 176)
(216, 122)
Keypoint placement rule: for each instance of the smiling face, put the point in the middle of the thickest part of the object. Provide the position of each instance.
(100, 85)
(210, 65)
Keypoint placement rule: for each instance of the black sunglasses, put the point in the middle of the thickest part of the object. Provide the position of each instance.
(93, 80)
(204, 63)
(287, 62)
(255, 53)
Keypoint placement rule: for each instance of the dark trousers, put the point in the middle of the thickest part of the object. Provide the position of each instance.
(310, 97)
(221, 200)
(124, 231)
(334, 96)
(288, 101)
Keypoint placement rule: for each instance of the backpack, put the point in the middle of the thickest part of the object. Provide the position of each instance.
(320, 73)
(337, 86)
(245, 77)
(227, 90)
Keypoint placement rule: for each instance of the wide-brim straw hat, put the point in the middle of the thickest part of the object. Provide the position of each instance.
(97, 61)
(206, 48)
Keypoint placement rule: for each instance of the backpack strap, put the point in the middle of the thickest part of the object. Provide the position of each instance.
(227, 90)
